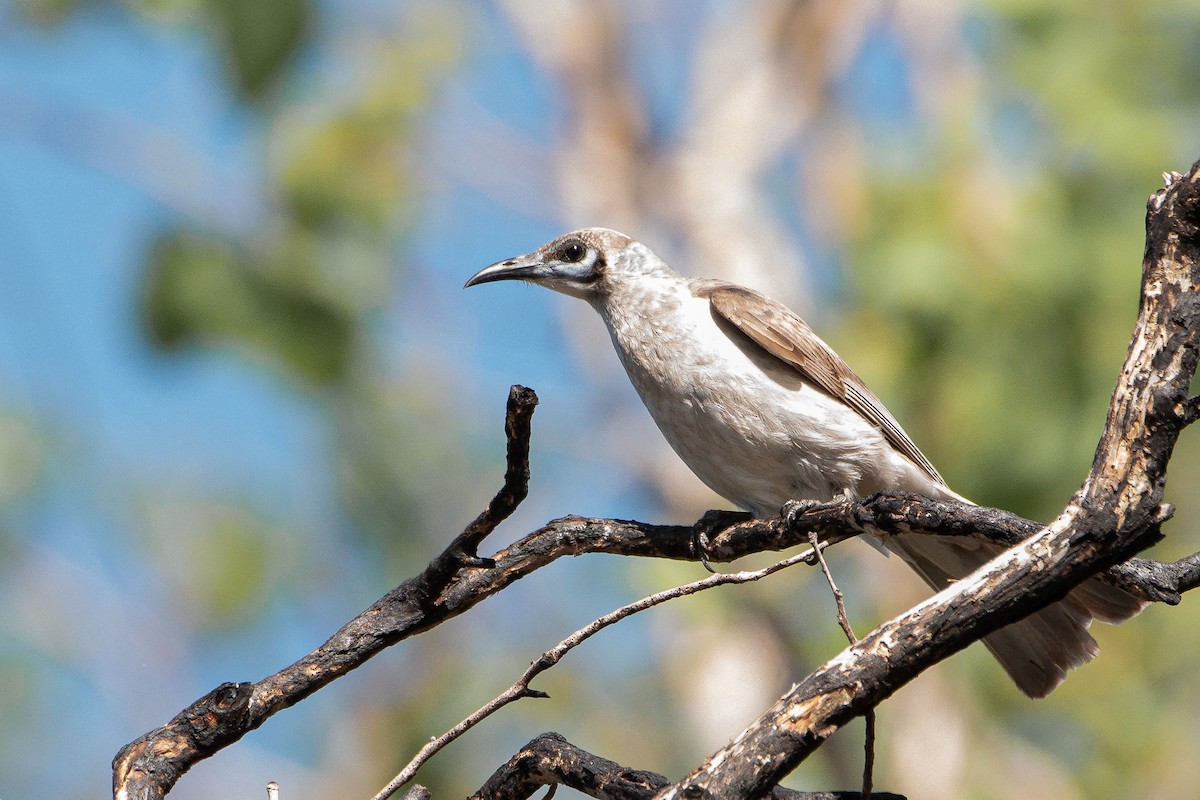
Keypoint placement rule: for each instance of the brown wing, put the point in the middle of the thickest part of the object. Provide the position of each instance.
(776, 329)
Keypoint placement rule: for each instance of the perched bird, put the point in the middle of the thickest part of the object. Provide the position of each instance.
(764, 412)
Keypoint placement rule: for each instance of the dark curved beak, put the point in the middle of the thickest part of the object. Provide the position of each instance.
(521, 268)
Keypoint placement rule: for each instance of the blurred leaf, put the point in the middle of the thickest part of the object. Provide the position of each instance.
(215, 556)
(260, 38)
(350, 166)
(201, 289)
(47, 12)
(22, 454)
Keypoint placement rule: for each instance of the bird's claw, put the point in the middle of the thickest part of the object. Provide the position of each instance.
(700, 548)
(790, 514)
(793, 509)
(708, 526)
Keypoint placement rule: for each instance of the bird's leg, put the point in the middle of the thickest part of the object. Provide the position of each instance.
(793, 509)
(708, 526)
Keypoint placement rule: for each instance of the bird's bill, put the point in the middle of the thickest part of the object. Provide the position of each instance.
(561, 276)
(521, 268)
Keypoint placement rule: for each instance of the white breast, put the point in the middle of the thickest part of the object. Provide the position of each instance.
(743, 421)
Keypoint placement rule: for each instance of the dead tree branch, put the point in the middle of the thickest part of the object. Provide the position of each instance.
(844, 621)
(551, 760)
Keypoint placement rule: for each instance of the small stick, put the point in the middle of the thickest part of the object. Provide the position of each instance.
(844, 621)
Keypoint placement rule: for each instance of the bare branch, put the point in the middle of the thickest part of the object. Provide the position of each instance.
(1187, 572)
(888, 513)
(550, 760)
(843, 620)
(518, 420)
(838, 598)
(463, 551)
(155, 761)
(150, 765)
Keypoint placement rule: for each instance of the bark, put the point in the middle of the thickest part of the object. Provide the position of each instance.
(550, 760)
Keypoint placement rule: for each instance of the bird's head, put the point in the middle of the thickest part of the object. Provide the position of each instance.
(582, 263)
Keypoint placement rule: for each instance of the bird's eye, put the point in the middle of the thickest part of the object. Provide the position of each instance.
(573, 252)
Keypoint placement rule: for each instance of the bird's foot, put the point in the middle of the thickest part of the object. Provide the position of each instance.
(711, 524)
(794, 508)
(791, 511)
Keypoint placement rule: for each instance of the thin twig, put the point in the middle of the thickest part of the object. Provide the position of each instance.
(868, 777)
(838, 598)
(555, 654)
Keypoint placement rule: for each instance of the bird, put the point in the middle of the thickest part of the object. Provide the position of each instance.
(764, 412)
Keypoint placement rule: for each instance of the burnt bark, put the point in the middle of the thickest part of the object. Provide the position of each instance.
(550, 760)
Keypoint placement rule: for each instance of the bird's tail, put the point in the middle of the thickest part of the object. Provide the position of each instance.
(1038, 651)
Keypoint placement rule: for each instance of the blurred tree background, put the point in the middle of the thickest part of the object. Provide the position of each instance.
(242, 395)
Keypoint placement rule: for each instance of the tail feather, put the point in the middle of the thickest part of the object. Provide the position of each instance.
(1038, 651)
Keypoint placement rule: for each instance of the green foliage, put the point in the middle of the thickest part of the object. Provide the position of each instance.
(221, 560)
(22, 459)
(202, 289)
(300, 293)
(350, 168)
(260, 38)
(45, 13)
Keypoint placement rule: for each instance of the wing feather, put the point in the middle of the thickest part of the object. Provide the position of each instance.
(780, 332)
